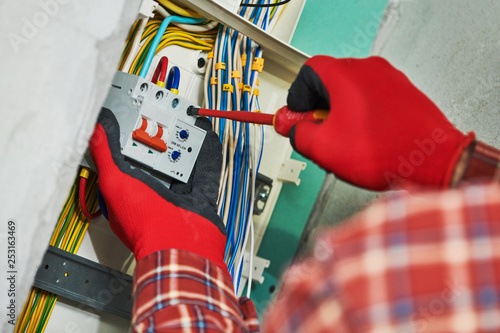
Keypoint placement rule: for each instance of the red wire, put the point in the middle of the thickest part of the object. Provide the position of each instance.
(160, 71)
(83, 203)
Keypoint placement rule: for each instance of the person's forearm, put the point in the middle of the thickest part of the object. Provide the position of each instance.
(478, 162)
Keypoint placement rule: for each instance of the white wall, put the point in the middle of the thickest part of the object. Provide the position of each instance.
(57, 58)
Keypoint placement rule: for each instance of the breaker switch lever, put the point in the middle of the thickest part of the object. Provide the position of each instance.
(156, 141)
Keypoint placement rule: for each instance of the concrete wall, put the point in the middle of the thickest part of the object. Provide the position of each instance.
(450, 50)
(57, 58)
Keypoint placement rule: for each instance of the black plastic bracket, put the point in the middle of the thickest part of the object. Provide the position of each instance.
(86, 282)
(263, 186)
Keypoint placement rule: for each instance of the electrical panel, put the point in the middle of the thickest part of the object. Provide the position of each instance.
(157, 136)
(231, 5)
(155, 130)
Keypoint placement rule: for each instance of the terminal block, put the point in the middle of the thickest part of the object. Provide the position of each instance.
(156, 133)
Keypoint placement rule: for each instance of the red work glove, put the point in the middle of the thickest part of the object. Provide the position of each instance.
(147, 216)
(380, 130)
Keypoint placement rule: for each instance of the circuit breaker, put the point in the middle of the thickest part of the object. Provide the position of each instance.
(156, 134)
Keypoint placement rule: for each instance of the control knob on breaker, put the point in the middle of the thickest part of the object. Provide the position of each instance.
(175, 155)
(184, 134)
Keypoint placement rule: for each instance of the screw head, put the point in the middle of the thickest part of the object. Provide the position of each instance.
(175, 102)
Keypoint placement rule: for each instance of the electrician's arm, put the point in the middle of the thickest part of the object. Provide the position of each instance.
(177, 237)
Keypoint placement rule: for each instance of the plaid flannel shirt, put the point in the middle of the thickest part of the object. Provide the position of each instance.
(425, 262)
(179, 291)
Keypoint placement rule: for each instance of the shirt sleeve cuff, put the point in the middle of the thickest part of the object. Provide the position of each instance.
(484, 164)
(173, 285)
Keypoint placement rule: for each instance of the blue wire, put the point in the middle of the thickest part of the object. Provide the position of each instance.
(243, 10)
(258, 10)
(237, 231)
(173, 79)
(233, 205)
(223, 71)
(246, 105)
(239, 278)
(249, 202)
(258, 53)
(234, 235)
(159, 35)
(209, 90)
(240, 225)
(102, 204)
(229, 226)
(232, 202)
(214, 73)
(245, 207)
(247, 66)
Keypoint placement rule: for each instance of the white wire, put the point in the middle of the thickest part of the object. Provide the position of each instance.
(252, 244)
(207, 79)
(197, 28)
(250, 222)
(237, 64)
(188, 27)
(222, 189)
(227, 132)
(212, 87)
(262, 15)
(219, 71)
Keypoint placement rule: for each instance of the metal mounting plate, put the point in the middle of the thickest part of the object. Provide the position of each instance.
(86, 282)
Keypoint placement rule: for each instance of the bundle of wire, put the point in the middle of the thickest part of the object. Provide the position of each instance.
(231, 82)
(149, 36)
(68, 235)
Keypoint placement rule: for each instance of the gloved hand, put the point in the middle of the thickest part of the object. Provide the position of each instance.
(380, 130)
(147, 216)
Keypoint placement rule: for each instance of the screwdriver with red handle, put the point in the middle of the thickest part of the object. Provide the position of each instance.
(282, 121)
